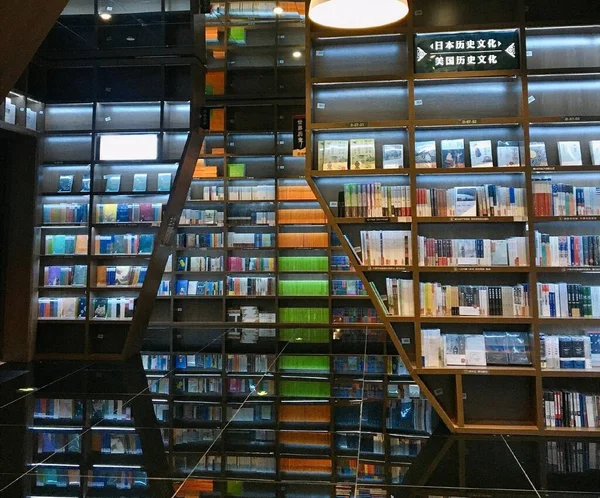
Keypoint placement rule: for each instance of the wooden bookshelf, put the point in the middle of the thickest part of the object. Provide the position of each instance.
(434, 106)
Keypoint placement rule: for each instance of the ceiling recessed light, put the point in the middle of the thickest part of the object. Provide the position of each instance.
(106, 16)
(354, 14)
(27, 389)
(278, 10)
(130, 38)
(297, 54)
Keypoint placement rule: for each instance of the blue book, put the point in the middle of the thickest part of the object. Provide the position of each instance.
(146, 243)
(552, 302)
(122, 213)
(182, 287)
(578, 352)
(82, 308)
(565, 348)
(58, 244)
(181, 361)
(182, 263)
(142, 276)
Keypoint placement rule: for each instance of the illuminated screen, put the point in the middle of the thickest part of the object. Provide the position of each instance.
(128, 147)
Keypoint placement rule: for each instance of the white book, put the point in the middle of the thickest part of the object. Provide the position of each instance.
(31, 119)
(425, 154)
(569, 153)
(508, 155)
(595, 152)
(362, 153)
(467, 252)
(465, 203)
(10, 111)
(393, 156)
(454, 350)
(335, 155)
(481, 154)
(475, 350)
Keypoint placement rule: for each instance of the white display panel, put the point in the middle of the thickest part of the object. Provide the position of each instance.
(129, 147)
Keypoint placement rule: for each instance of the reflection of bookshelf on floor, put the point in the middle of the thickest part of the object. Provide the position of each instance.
(58, 408)
(571, 409)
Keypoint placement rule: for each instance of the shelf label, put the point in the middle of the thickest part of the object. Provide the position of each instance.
(571, 119)
(477, 372)
(405, 340)
(319, 53)
(438, 392)
(333, 204)
(418, 102)
(358, 124)
(100, 336)
(578, 218)
(529, 53)
(418, 12)
(585, 269)
(468, 121)
(377, 220)
(472, 268)
(467, 51)
(531, 99)
(320, 105)
(386, 268)
(471, 218)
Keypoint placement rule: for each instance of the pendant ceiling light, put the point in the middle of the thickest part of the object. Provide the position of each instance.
(357, 14)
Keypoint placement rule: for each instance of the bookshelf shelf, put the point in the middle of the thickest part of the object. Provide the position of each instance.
(594, 372)
(482, 219)
(476, 319)
(470, 171)
(474, 269)
(475, 370)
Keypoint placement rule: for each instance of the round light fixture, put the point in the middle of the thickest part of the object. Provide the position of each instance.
(297, 54)
(278, 10)
(105, 16)
(357, 14)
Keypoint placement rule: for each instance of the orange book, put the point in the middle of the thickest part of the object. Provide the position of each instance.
(211, 34)
(215, 83)
(81, 243)
(217, 120)
(101, 275)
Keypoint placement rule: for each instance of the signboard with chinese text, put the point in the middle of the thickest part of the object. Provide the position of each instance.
(299, 136)
(467, 51)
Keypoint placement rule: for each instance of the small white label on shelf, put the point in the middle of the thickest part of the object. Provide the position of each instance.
(281, 166)
(107, 119)
(531, 99)
(333, 204)
(281, 61)
(464, 395)
(529, 53)
(319, 53)
(405, 340)
(320, 105)
(438, 392)
(100, 336)
(418, 102)
(418, 12)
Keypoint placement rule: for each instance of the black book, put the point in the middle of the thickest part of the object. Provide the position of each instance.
(341, 205)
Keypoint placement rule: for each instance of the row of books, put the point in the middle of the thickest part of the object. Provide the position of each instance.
(569, 153)
(251, 193)
(561, 199)
(490, 348)
(266, 218)
(265, 387)
(128, 212)
(113, 308)
(570, 351)
(303, 239)
(64, 212)
(374, 200)
(399, 297)
(61, 244)
(303, 287)
(119, 479)
(359, 153)
(194, 436)
(251, 286)
(338, 263)
(197, 412)
(485, 200)
(369, 443)
(127, 243)
(199, 287)
(348, 491)
(250, 240)
(251, 335)
(453, 154)
(386, 247)
(201, 385)
(348, 287)
(473, 252)
(210, 217)
(304, 315)
(155, 362)
(358, 314)
(410, 414)
(252, 363)
(112, 182)
(62, 308)
(116, 444)
(303, 263)
(571, 409)
(563, 300)
(67, 276)
(58, 442)
(200, 240)
(295, 193)
(120, 275)
(208, 193)
(567, 250)
(251, 464)
(250, 314)
(206, 361)
(58, 408)
(251, 413)
(572, 457)
(158, 386)
(474, 300)
(111, 409)
(236, 263)
(301, 216)
(199, 263)
(57, 477)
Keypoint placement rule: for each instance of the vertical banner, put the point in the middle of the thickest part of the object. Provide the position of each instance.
(299, 135)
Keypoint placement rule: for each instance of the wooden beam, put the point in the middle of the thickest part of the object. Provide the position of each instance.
(23, 26)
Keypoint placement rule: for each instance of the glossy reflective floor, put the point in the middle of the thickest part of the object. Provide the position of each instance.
(66, 456)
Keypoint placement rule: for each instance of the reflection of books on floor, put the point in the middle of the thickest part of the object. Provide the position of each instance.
(393, 156)
(508, 154)
(481, 154)
(425, 154)
(453, 153)
(466, 201)
(537, 152)
(569, 153)
(117, 445)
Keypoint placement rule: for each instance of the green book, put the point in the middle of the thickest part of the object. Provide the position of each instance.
(237, 170)
(237, 35)
(164, 182)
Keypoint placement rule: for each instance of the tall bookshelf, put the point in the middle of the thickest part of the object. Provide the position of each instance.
(364, 85)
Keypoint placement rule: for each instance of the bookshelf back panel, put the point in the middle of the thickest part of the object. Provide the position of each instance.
(565, 48)
(564, 96)
(429, 13)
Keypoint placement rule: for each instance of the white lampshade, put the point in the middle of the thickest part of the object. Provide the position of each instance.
(357, 14)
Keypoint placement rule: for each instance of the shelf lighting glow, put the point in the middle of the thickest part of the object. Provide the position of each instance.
(128, 147)
(357, 14)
